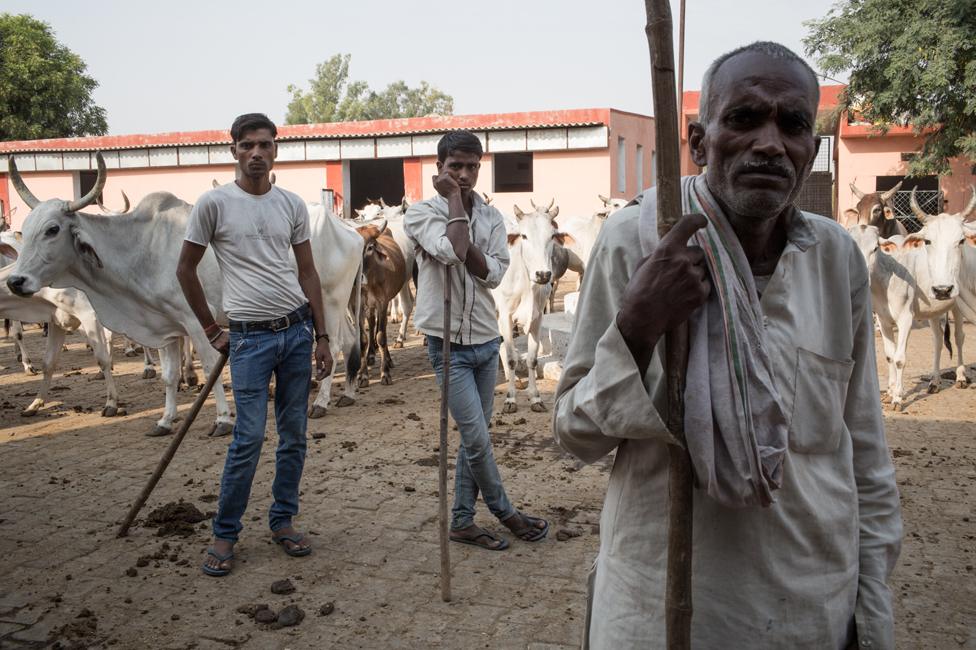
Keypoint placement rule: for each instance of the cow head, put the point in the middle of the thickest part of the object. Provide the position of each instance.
(536, 235)
(871, 209)
(942, 238)
(52, 240)
(372, 253)
(609, 206)
(369, 212)
(871, 244)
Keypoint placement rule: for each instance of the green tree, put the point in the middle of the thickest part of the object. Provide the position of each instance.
(910, 62)
(44, 89)
(331, 97)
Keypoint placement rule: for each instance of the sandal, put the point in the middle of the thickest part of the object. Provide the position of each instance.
(297, 550)
(530, 532)
(483, 539)
(216, 571)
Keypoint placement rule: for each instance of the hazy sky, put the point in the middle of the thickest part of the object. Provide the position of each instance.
(176, 65)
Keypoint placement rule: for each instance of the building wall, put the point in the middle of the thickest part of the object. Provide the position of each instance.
(861, 160)
(635, 130)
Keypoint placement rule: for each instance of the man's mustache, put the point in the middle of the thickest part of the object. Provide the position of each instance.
(765, 167)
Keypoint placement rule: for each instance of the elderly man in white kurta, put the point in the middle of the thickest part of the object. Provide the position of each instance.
(792, 544)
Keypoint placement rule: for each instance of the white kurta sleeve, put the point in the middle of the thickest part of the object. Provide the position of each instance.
(879, 511)
(601, 398)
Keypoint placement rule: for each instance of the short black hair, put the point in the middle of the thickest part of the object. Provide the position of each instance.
(459, 140)
(251, 122)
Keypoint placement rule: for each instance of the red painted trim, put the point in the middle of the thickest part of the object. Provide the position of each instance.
(330, 130)
(413, 179)
(869, 131)
(5, 195)
(333, 181)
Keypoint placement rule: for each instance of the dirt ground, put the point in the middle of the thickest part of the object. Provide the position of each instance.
(68, 476)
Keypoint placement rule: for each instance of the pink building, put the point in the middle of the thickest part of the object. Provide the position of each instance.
(569, 155)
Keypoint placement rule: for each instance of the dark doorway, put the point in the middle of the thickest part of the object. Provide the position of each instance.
(375, 179)
(817, 194)
(86, 181)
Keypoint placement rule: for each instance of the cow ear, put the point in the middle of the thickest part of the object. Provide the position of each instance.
(8, 251)
(359, 213)
(369, 231)
(914, 241)
(554, 212)
(970, 237)
(887, 245)
(564, 238)
(85, 248)
(518, 212)
(513, 237)
(889, 214)
(848, 218)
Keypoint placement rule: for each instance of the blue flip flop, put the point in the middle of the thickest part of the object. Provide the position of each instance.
(217, 572)
(294, 539)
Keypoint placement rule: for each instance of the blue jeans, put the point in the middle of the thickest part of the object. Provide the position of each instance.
(254, 356)
(474, 374)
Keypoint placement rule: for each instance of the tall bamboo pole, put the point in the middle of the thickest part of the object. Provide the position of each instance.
(678, 596)
(442, 455)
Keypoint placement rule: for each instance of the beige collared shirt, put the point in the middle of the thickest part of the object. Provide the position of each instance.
(798, 574)
(473, 318)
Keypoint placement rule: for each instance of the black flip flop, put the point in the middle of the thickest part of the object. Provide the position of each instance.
(531, 532)
(473, 541)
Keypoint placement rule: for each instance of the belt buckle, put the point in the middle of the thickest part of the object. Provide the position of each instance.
(277, 326)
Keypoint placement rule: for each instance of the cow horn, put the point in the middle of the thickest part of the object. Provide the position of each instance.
(858, 193)
(382, 203)
(88, 199)
(125, 200)
(534, 207)
(969, 214)
(886, 196)
(518, 212)
(605, 200)
(551, 203)
(916, 210)
(215, 183)
(20, 186)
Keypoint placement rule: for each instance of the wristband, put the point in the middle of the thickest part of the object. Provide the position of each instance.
(209, 328)
(322, 336)
(215, 336)
(450, 221)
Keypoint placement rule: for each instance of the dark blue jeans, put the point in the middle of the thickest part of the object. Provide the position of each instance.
(471, 396)
(254, 356)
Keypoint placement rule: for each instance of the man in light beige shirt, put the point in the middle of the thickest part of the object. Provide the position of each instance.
(810, 570)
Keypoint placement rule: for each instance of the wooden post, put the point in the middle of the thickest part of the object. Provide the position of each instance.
(442, 456)
(678, 606)
(173, 446)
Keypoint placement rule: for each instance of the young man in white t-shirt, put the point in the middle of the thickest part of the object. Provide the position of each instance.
(252, 226)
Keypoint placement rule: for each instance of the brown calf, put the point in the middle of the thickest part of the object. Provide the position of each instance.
(385, 271)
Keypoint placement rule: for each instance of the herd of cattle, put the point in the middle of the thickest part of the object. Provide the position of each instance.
(119, 273)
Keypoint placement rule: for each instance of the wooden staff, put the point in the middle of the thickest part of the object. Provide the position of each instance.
(173, 446)
(442, 455)
(678, 599)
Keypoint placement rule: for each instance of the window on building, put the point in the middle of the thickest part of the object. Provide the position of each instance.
(621, 165)
(639, 168)
(512, 172)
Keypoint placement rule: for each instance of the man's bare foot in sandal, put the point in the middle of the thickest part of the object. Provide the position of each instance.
(526, 528)
(477, 536)
(220, 558)
(292, 541)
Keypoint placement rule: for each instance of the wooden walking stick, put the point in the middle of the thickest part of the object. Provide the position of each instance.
(173, 446)
(442, 456)
(678, 599)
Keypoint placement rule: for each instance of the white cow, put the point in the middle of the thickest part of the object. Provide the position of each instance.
(127, 268)
(65, 310)
(521, 297)
(585, 229)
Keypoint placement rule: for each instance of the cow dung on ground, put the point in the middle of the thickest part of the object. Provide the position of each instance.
(175, 518)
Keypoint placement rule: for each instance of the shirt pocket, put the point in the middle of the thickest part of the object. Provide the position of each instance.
(820, 395)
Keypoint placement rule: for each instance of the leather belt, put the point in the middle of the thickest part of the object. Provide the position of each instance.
(275, 324)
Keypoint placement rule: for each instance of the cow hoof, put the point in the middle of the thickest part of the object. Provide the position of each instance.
(510, 407)
(131, 353)
(221, 429)
(897, 407)
(149, 373)
(364, 382)
(345, 400)
(538, 407)
(398, 344)
(192, 380)
(109, 412)
(933, 388)
(521, 384)
(962, 384)
(316, 412)
(386, 380)
(28, 413)
(159, 431)
(100, 374)
(31, 370)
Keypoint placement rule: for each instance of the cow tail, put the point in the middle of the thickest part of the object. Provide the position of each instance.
(6, 328)
(355, 324)
(945, 337)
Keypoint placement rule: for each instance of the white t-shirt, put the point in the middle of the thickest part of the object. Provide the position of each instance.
(252, 237)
